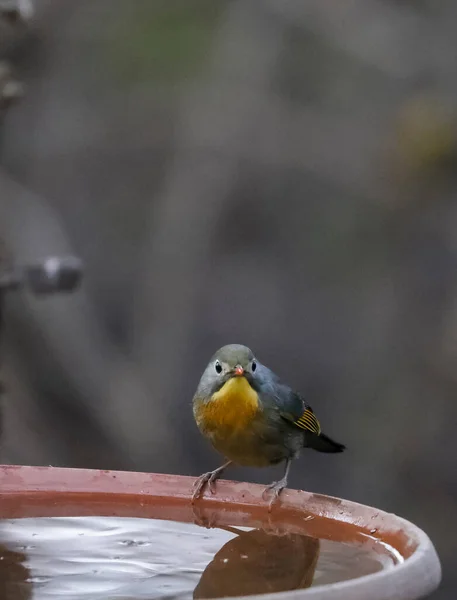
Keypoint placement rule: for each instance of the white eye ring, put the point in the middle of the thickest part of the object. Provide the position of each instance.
(218, 367)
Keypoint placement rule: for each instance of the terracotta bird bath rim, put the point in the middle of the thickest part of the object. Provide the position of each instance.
(27, 491)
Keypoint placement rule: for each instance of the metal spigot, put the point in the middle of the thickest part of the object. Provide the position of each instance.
(49, 276)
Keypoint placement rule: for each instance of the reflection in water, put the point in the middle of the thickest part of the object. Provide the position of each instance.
(111, 558)
(14, 584)
(256, 562)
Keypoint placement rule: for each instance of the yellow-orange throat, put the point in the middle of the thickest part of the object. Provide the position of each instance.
(232, 407)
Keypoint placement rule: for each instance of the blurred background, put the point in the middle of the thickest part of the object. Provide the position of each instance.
(280, 174)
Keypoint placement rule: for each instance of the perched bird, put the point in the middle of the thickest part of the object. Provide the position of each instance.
(252, 418)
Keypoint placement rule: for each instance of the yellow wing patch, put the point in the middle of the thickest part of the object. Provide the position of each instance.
(309, 422)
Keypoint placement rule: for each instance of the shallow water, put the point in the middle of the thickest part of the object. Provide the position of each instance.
(112, 558)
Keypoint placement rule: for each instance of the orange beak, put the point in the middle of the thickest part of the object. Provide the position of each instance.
(239, 371)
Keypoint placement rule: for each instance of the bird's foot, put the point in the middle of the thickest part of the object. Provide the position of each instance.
(276, 487)
(209, 479)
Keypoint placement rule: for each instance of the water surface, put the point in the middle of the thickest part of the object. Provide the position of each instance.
(116, 558)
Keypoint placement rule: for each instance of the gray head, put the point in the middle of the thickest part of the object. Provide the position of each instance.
(233, 360)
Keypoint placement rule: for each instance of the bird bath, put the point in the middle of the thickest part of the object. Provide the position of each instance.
(99, 535)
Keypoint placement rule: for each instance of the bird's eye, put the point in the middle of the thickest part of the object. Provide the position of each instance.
(218, 367)
(253, 366)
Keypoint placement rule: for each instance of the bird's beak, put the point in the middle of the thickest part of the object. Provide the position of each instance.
(239, 371)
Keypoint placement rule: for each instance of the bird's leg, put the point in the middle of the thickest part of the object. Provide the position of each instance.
(208, 478)
(278, 486)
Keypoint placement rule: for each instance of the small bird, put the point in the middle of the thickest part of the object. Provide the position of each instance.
(252, 418)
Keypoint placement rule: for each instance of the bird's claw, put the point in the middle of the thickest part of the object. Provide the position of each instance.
(276, 487)
(212, 486)
(205, 479)
(268, 488)
(199, 485)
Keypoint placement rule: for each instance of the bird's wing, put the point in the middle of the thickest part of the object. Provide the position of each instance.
(290, 405)
(294, 409)
(307, 420)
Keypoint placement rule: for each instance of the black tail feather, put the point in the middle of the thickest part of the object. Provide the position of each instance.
(323, 443)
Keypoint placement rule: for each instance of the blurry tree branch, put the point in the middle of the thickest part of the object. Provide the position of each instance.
(183, 222)
(369, 31)
(30, 230)
(291, 137)
(10, 89)
(15, 16)
(14, 30)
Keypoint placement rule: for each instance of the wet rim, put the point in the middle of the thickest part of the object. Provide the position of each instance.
(49, 491)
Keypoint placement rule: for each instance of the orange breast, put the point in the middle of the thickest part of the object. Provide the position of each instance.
(231, 409)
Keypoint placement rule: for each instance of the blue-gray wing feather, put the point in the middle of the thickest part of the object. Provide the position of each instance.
(289, 404)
